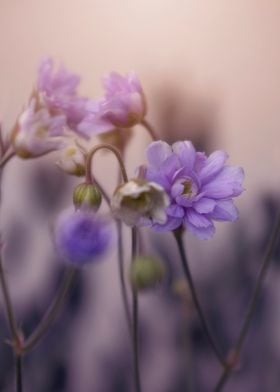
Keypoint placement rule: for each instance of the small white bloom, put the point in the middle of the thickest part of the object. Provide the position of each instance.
(72, 159)
(138, 202)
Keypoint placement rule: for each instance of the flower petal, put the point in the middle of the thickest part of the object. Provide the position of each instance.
(185, 152)
(171, 224)
(204, 205)
(175, 211)
(213, 165)
(196, 219)
(203, 233)
(227, 184)
(225, 210)
(157, 152)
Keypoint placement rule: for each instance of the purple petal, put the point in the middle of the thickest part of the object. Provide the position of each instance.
(155, 175)
(171, 224)
(185, 152)
(170, 166)
(212, 166)
(225, 210)
(175, 211)
(203, 233)
(204, 205)
(157, 152)
(177, 189)
(227, 184)
(196, 219)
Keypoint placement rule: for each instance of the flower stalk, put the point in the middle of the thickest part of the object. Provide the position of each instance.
(235, 353)
(178, 236)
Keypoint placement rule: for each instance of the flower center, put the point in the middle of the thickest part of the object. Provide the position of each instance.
(189, 188)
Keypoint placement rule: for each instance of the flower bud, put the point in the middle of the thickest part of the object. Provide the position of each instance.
(87, 196)
(146, 273)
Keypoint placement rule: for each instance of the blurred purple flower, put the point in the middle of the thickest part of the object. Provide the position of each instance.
(200, 188)
(122, 106)
(37, 132)
(82, 237)
(59, 91)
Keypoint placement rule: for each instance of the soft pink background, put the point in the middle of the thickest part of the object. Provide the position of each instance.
(227, 51)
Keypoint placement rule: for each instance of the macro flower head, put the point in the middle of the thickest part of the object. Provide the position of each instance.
(122, 106)
(137, 201)
(37, 132)
(201, 188)
(82, 237)
(58, 89)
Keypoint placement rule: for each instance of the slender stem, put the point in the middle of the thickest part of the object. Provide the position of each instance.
(9, 155)
(122, 276)
(52, 311)
(2, 146)
(135, 323)
(19, 383)
(104, 193)
(252, 305)
(150, 129)
(179, 240)
(8, 305)
(117, 154)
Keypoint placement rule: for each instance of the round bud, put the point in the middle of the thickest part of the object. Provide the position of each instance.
(146, 272)
(87, 196)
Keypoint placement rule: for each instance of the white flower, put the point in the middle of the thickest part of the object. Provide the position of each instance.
(72, 159)
(138, 202)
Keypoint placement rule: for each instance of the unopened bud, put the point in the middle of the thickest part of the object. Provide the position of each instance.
(146, 273)
(87, 196)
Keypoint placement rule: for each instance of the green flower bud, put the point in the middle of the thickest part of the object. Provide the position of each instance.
(87, 196)
(146, 273)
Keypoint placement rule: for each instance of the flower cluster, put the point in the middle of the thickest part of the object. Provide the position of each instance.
(56, 109)
(178, 188)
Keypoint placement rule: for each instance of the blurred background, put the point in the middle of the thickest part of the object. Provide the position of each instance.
(210, 71)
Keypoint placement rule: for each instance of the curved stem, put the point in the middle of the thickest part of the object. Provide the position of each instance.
(52, 311)
(9, 155)
(135, 323)
(19, 383)
(252, 305)
(179, 240)
(123, 174)
(115, 151)
(150, 129)
(8, 305)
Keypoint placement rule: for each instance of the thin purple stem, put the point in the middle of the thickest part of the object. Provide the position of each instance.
(252, 305)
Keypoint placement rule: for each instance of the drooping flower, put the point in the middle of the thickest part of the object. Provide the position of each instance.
(37, 132)
(137, 201)
(123, 105)
(59, 92)
(72, 159)
(82, 237)
(201, 188)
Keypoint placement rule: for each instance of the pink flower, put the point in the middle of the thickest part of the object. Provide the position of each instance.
(37, 132)
(123, 105)
(59, 92)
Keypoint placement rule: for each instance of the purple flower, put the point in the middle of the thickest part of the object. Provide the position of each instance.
(37, 132)
(59, 92)
(200, 188)
(82, 237)
(122, 106)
